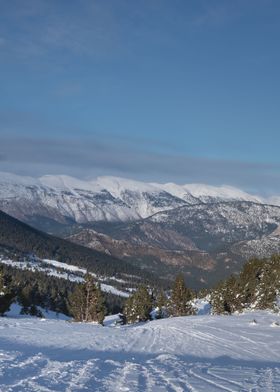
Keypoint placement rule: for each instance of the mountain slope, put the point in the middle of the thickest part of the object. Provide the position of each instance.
(21, 238)
(206, 232)
(65, 200)
(181, 252)
(208, 225)
(205, 241)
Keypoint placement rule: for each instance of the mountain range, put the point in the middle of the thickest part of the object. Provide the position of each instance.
(109, 199)
(204, 231)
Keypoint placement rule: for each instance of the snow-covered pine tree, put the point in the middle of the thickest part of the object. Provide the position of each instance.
(87, 302)
(256, 287)
(179, 302)
(138, 306)
(226, 297)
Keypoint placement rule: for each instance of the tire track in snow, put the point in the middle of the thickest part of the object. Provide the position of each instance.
(215, 341)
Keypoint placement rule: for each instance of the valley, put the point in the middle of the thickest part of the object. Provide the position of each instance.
(205, 232)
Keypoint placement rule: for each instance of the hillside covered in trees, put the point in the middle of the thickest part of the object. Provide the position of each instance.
(21, 238)
(256, 287)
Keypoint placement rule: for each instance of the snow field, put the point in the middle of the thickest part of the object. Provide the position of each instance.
(195, 353)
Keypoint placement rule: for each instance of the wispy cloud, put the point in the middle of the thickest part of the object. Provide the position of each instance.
(95, 157)
(37, 28)
(63, 32)
(34, 28)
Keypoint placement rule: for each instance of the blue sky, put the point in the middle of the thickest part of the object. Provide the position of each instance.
(160, 90)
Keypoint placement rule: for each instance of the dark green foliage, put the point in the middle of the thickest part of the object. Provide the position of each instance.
(179, 302)
(6, 295)
(203, 293)
(28, 296)
(49, 292)
(255, 287)
(114, 303)
(161, 305)
(38, 289)
(138, 306)
(86, 304)
(225, 298)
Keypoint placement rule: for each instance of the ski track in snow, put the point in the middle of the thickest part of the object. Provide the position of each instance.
(199, 353)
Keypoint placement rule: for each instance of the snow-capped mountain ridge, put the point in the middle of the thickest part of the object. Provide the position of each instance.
(117, 185)
(197, 227)
(225, 192)
(111, 199)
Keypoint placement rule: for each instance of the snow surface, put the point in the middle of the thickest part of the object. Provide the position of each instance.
(15, 309)
(202, 305)
(195, 353)
(224, 192)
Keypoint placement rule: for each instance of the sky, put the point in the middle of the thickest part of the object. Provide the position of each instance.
(156, 90)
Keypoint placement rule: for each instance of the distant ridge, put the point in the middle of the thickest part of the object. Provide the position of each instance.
(108, 199)
(153, 229)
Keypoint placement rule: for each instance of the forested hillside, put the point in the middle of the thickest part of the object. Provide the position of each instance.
(20, 238)
(256, 287)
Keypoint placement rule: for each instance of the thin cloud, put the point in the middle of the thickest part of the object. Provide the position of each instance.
(37, 28)
(95, 157)
(101, 29)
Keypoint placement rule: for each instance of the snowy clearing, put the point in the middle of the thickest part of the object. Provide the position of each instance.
(197, 353)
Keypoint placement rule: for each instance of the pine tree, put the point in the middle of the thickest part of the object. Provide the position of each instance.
(25, 299)
(257, 287)
(87, 302)
(179, 303)
(138, 306)
(6, 296)
(227, 297)
(161, 304)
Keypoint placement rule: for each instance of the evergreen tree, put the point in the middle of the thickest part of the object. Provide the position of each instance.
(28, 297)
(87, 302)
(34, 311)
(225, 298)
(161, 304)
(25, 299)
(179, 302)
(138, 306)
(256, 287)
(6, 296)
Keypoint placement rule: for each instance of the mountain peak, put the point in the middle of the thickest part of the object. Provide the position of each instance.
(105, 198)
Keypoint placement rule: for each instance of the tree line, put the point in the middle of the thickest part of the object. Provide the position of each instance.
(256, 287)
(34, 290)
(85, 302)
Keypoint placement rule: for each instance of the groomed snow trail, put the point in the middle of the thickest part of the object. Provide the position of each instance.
(200, 353)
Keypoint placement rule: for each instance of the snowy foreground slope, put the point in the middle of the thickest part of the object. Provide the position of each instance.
(199, 353)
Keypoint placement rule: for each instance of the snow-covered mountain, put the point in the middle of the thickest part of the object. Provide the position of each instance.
(206, 231)
(110, 199)
(216, 238)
